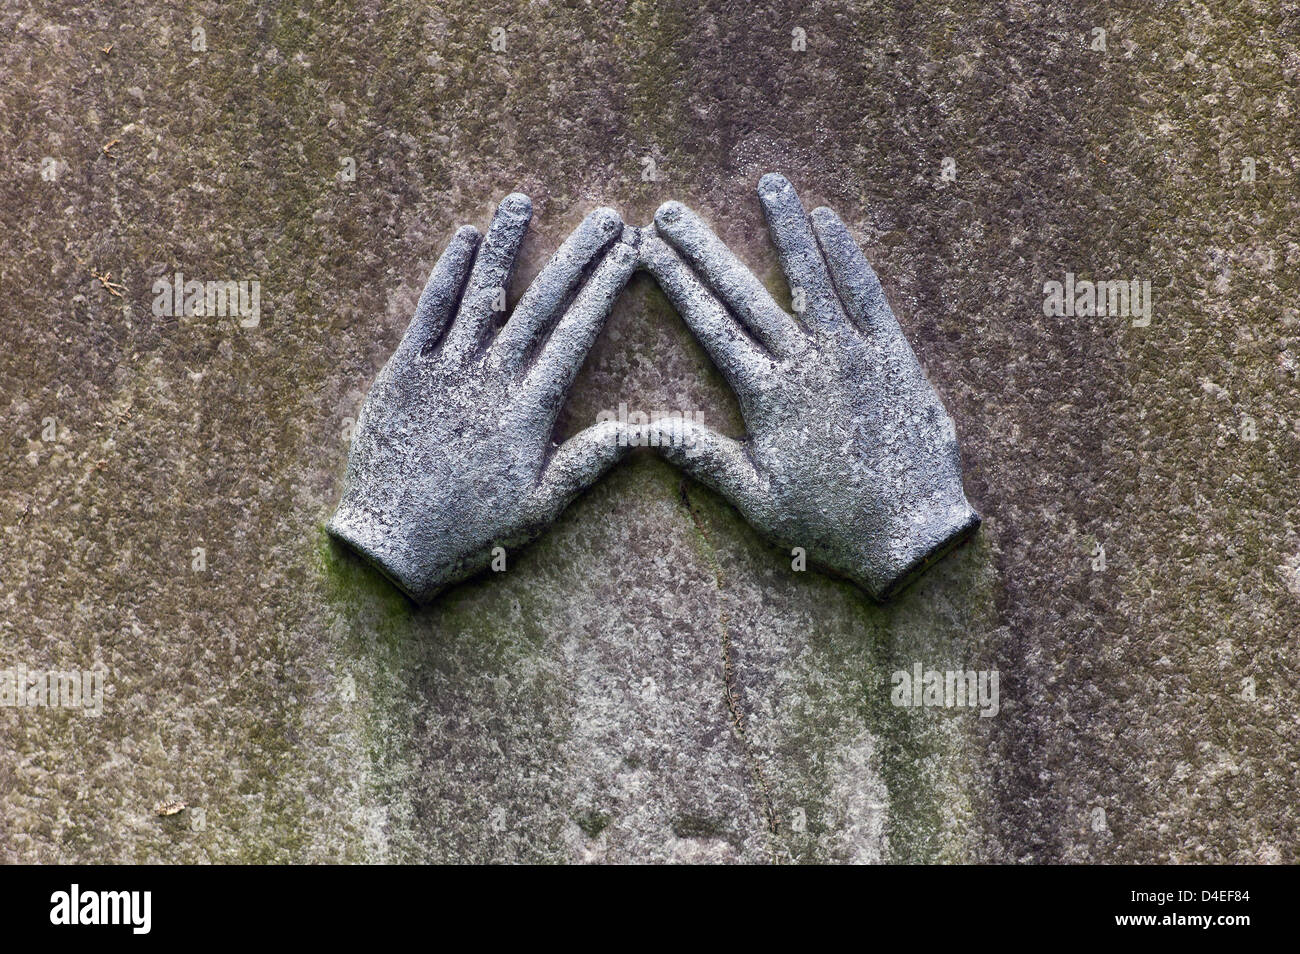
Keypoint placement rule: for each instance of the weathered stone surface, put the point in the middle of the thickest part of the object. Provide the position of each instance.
(649, 680)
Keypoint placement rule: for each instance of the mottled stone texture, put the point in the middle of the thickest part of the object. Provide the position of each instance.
(649, 680)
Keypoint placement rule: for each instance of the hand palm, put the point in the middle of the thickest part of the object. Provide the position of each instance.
(453, 454)
(849, 452)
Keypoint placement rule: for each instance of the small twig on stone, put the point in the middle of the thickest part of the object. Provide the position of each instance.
(106, 280)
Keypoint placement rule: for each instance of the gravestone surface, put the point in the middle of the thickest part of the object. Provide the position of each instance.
(650, 679)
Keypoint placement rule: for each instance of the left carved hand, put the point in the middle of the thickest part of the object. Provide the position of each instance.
(453, 453)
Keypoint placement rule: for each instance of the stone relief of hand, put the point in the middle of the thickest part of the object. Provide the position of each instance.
(453, 455)
(850, 453)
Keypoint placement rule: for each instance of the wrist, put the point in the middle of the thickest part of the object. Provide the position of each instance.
(374, 538)
(921, 544)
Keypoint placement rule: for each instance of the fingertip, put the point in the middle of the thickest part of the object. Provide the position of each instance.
(829, 227)
(605, 220)
(825, 217)
(517, 206)
(773, 184)
(467, 234)
(670, 212)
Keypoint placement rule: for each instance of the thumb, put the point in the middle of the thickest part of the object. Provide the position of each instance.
(717, 461)
(577, 464)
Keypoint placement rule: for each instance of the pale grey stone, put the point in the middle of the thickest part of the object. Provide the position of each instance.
(453, 463)
(849, 454)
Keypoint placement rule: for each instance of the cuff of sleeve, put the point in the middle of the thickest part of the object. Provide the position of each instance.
(925, 548)
(367, 537)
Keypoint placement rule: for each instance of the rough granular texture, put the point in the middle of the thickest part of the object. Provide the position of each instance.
(650, 680)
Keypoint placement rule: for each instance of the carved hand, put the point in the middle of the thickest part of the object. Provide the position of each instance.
(453, 454)
(850, 453)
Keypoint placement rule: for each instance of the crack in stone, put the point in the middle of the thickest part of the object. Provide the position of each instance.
(729, 677)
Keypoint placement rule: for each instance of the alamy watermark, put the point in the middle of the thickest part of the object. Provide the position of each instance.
(130, 908)
(662, 428)
(934, 688)
(1084, 298)
(23, 688)
(175, 297)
